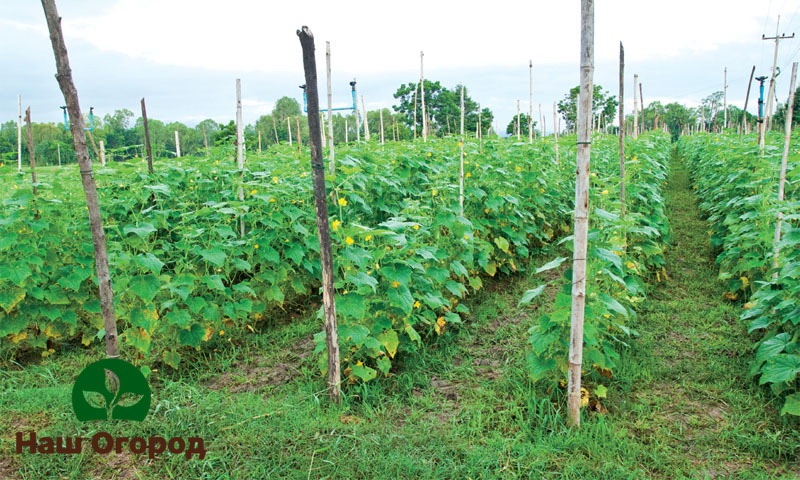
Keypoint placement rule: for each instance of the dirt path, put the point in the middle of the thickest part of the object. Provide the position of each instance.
(691, 394)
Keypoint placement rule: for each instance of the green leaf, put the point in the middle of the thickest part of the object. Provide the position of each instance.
(780, 368)
(400, 297)
(17, 273)
(171, 358)
(10, 298)
(601, 391)
(351, 305)
(529, 295)
(502, 243)
(214, 282)
(551, 265)
(215, 256)
(384, 365)
(193, 336)
(356, 333)
(362, 280)
(364, 373)
(458, 268)
(150, 262)
(397, 273)
(390, 342)
(608, 256)
(455, 288)
(145, 287)
(142, 230)
(772, 347)
(180, 318)
(791, 405)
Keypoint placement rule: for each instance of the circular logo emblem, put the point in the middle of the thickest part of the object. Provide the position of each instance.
(111, 389)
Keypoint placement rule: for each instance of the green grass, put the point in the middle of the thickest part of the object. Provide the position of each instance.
(679, 406)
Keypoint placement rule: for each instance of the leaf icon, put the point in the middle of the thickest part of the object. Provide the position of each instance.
(112, 382)
(129, 399)
(95, 399)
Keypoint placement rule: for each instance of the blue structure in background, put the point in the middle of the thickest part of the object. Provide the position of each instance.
(352, 92)
(91, 119)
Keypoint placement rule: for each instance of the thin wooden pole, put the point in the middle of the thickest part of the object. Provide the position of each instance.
(94, 145)
(555, 130)
(147, 146)
(259, 141)
(331, 151)
(58, 149)
(725, 98)
(346, 128)
(289, 129)
(275, 130)
(205, 140)
(622, 127)
(530, 103)
(746, 98)
(19, 134)
(518, 122)
(318, 178)
(635, 132)
(480, 131)
(366, 120)
(356, 113)
(581, 213)
(240, 148)
(64, 78)
(414, 124)
(422, 98)
(177, 146)
(31, 151)
(541, 120)
(324, 130)
(102, 153)
(299, 134)
(381, 117)
(461, 160)
(787, 140)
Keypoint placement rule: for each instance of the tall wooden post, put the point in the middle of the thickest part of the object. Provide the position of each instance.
(299, 134)
(414, 123)
(461, 160)
(530, 103)
(555, 130)
(725, 98)
(480, 131)
(31, 150)
(318, 178)
(58, 149)
(259, 141)
(581, 213)
(289, 129)
(518, 126)
(147, 146)
(240, 148)
(64, 78)
(381, 117)
(19, 134)
(622, 127)
(275, 130)
(102, 153)
(782, 177)
(635, 132)
(177, 146)
(422, 98)
(366, 120)
(745, 125)
(331, 161)
(324, 130)
(205, 140)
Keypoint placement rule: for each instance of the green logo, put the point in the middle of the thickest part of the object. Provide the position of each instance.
(111, 389)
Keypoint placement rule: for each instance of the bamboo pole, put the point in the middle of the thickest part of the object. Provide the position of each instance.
(102, 153)
(581, 213)
(58, 149)
(530, 104)
(31, 151)
(518, 122)
(414, 124)
(147, 146)
(299, 134)
(541, 120)
(205, 140)
(787, 140)
(64, 78)
(461, 160)
(240, 148)
(318, 177)
(381, 117)
(356, 113)
(746, 98)
(555, 130)
(331, 151)
(422, 98)
(635, 132)
(289, 129)
(324, 130)
(19, 134)
(366, 120)
(94, 145)
(480, 131)
(725, 98)
(259, 141)
(346, 128)
(622, 128)
(177, 147)
(275, 130)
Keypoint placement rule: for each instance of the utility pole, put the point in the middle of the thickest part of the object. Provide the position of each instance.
(771, 93)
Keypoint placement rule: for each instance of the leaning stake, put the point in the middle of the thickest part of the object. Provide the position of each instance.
(318, 178)
(64, 77)
(581, 213)
(782, 178)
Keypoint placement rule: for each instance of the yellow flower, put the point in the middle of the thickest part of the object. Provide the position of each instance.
(468, 175)
(466, 237)
(416, 227)
(584, 397)
(349, 241)
(275, 179)
(253, 192)
(430, 154)
(222, 332)
(368, 238)
(485, 210)
(607, 315)
(342, 202)
(272, 200)
(604, 192)
(460, 144)
(416, 304)
(541, 190)
(255, 246)
(395, 284)
(434, 192)
(336, 224)
(518, 168)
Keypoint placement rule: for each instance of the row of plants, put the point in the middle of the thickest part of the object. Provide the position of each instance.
(625, 256)
(183, 273)
(738, 190)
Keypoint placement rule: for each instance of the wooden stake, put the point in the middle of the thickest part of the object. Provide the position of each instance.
(64, 78)
(259, 141)
(461, 160)
(102, 153)
(635, 132)
(318, 177)
(19, 134)
(555, 130)
(480, 131)
(725, 98)
(622, 128)
(94, 145)
(275, 131)
(381, 117)
(414, 124)
(787, 140)
(746, 98)
(541, 119)
(581, 214)
(31, 151)
(332, 164)
(530, 103)
(422, 99)
(146, 139)
(299, 134)
(205, 140)
(240, 148)
(518, 123)
(289, 129)
(355, 113)
(324, 130)
(177, 147)
(346, 127)
(366, 120)
(58, 149)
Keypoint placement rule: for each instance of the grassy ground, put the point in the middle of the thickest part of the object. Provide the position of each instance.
(680, 406)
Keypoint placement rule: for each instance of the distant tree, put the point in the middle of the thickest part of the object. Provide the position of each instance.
(780, 115)
(511, 129)
(603, 104)
(443, 108)
(709, 108)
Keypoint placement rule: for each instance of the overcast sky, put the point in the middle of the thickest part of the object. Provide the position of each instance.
(184, 55)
